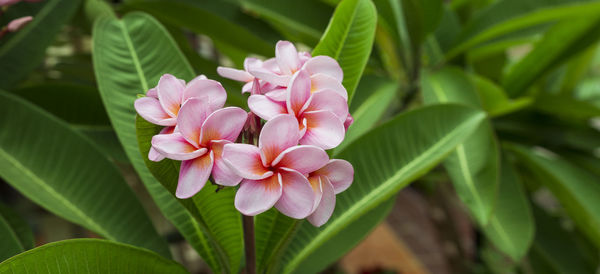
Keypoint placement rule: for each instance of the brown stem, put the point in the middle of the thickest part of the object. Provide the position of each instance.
(248, 223)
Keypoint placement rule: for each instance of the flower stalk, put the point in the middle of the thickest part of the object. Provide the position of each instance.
(250, 250)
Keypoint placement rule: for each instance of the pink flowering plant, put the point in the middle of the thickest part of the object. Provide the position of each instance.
(276, 153)
(254, 136)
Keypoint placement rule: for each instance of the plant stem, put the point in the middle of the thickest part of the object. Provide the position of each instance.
(248, 223)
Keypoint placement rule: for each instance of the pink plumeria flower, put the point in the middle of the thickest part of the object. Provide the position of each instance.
(321, 115)
(324, 71)
(328, 181)
(161, 105)
(244, 76)
(199, 144)
(274, 171)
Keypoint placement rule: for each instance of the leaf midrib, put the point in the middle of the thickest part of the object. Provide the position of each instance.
(362, 205)
(52, 192)
(144, 82)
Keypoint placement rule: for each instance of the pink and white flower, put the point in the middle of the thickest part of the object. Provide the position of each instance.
(161, 104)
(333, 178)
(321, 115)
(199, 142)
(274, 172)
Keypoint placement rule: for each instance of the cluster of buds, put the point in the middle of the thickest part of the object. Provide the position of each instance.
(15, 24)
(281, 160)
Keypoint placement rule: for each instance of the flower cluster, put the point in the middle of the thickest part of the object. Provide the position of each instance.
(304, 107)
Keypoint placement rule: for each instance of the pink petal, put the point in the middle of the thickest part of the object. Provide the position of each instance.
(192, 115)
(264, 107)
(221, 172)
(315, 183)
(154, 155)
(152, 93)
(210, 90)
(170, 92)
(304, 159)
(326, 65)
(252, 63)
(18, 23)
(323, 129)
(322, 81)
(151, 110)
(326, 206)
(277, 94)
(278, 134)
(199, 77)
(193, 175)
(329, 100)
(271, 77)
(8, 2)
(235, 74)
(339, 172)
(304, 56)
(287, 57)
(244, 160)
(297, 197)
(298, 92)
(247, 87)
(223, 124)
(271, 65)
(174, 146)
(255, 197)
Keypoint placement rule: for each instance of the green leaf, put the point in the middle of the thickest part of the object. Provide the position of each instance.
(560, 43)
(89, 256)
(22, 52)
(474, 165)
(349, 39)
(275, 232)
(141, 50)
(567, 107)
(381, 94)
(494, 99)
(61, 170)
(576, 189)
(510, 16)
(302, 21)
(15, 234)
(215, 211)
(219, 20)
(511, 227)
(556, 250)
(385, 160)
(73, 103)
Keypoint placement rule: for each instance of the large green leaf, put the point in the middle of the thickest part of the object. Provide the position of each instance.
(22, 52)
(494, 100)
(349, 39)
(511, 227)
(556, 250)
(73, 103)
(380, 94)
(141, 50)
(215, 210)
(61, 170)
(576, 189)
(500, 20)
(89, 256)
(15, 234)
(300, 21)
(560, 43)
(474, 165)
(385, 160)
(220, 20)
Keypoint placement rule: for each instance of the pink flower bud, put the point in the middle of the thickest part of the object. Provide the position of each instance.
(18, 23)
